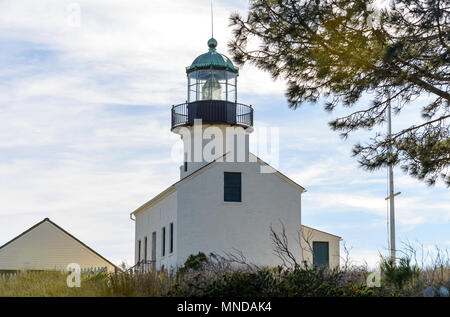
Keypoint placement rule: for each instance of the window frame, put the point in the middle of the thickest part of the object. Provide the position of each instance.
(139, 251)
(315, 246)
(145, 248)
(163, 242)
(225, 187)
(171, 238)
(154, 244)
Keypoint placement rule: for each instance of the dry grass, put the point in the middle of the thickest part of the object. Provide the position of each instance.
(54, 284)
(431, 270)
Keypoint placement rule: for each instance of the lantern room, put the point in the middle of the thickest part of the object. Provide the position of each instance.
(212, 76)
(212, 93)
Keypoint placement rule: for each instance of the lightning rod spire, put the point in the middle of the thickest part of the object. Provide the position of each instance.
(212, 20)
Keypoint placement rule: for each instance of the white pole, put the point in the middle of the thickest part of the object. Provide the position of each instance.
(391, 186)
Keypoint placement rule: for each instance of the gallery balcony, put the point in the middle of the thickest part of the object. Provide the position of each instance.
(212, 112)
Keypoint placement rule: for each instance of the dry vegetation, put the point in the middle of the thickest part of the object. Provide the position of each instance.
(217, 276)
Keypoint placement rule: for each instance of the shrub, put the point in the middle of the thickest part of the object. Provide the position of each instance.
(277, 282)
(400, 274)
(194, 262)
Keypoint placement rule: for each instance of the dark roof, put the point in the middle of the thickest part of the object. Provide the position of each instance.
(64, 231)
(212, 60)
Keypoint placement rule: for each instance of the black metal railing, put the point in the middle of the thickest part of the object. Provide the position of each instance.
(212, 111)
(244, 115)
(143, 266)
(179, 115)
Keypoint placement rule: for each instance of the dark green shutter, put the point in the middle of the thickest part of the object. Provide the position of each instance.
(163, 247)
(320, 254)
(232, 187)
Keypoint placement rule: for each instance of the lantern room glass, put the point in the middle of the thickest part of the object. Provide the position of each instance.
(212, 84)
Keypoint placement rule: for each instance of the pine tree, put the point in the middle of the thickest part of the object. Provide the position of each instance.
(340, 50)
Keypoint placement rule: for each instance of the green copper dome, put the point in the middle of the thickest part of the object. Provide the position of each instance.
(212, 60)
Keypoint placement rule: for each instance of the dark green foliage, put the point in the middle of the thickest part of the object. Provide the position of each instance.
(400, 274)
(340, 50)
(276, 282)
(259, 283)
(195, 262)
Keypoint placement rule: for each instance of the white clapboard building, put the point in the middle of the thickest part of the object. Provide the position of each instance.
(227, 199)
(47, 246)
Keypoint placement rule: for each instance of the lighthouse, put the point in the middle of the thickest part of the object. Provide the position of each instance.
(223, 203)
(211, 123)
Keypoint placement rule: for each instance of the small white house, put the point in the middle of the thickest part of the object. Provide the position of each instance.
(227, 199)
(47, 246)
(320, 248)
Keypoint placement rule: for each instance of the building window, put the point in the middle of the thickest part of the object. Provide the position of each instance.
(154, 246)
(139, 251)
(171, 237)
(145, 249)
(321, 256)
(232, 187)
(185, 166)
(163, 241)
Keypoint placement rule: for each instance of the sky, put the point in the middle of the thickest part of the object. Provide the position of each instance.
(85, 94)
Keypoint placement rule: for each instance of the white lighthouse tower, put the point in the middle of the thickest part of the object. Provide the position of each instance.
(212, 124)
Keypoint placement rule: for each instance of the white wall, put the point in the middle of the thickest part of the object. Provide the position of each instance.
(206, 223)
(232, 138)
(47, 247)
(153, 220)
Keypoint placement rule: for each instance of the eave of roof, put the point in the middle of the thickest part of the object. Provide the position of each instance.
(169, 190)
(281, 175)
(322, 232)
(166, 192)
(212, 60)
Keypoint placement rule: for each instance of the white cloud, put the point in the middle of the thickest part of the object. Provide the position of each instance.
(325, 171)
(409, 211)
(368, 257)
(147, 43)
